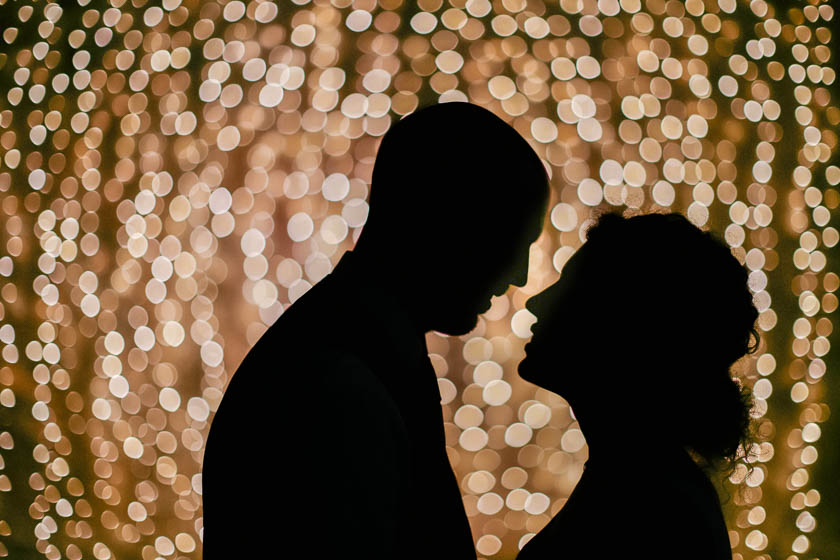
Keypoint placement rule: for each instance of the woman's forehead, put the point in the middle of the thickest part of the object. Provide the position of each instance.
(591, 259)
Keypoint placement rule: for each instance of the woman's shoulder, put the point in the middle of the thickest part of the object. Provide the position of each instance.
(670, 495)
(684, 477)
(689, 508)
(659, 508)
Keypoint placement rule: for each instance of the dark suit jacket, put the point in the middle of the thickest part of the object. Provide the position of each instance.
(330, 436)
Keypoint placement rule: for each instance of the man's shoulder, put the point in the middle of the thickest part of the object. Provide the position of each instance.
(313, 307)
(308, 331)
(318, 366)
(348, 383)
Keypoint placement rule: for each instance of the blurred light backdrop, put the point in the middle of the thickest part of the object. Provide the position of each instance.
(173, 175)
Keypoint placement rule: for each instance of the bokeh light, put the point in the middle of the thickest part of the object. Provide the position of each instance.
(174, 175)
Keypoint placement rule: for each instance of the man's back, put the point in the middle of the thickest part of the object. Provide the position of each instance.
(330, 435)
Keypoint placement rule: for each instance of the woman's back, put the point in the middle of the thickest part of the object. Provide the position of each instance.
(661, 506)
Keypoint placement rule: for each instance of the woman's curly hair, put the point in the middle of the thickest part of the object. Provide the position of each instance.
(694, 288)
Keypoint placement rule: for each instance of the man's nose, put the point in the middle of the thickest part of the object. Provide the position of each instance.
(520, 275)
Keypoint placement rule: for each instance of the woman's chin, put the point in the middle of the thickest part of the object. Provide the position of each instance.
(538, 372)
(527, 371)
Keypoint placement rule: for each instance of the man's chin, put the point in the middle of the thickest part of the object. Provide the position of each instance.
(530, 370)
(523, 370)
(458, 326)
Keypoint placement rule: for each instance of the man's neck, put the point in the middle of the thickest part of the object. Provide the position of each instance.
(383, 283)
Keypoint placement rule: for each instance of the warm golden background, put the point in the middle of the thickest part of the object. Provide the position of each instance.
(173, 175)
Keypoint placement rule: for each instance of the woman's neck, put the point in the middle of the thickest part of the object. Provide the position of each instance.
(618, 433)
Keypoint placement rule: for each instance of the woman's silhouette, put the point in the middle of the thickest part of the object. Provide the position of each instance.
(639, 335)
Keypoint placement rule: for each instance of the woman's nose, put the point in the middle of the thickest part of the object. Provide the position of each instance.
(530, 304)
(539, 303)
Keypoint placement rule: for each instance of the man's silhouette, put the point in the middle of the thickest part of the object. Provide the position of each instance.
(330, 435)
